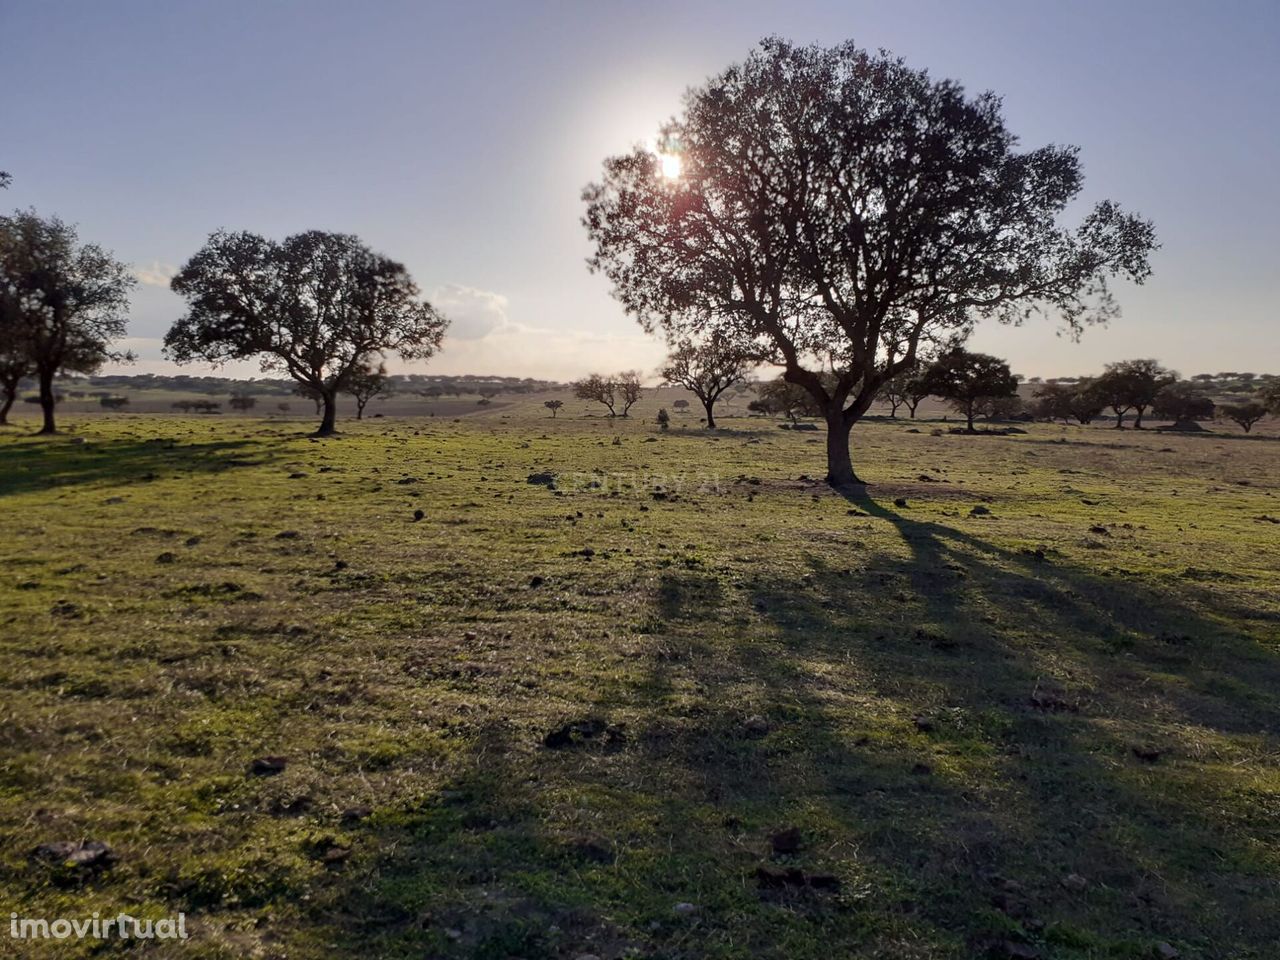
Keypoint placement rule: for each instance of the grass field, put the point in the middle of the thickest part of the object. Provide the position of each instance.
(1022, 699)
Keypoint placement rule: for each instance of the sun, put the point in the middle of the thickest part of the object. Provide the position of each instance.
(671, 165)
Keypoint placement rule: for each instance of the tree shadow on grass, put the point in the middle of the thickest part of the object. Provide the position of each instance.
(34, 465)
(950, 726)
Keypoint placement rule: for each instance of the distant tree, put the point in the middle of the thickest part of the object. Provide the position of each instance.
(318, 306)
(1204, 377)
(599, 389)
(1182, 403)
(967, 379)
(554, 406)
(664, 419)
(629, 390)
(891, 393)
(914, 391)
(15, 366)
(903, 388)
(1002, 408)
(1133, 385)
(63, 301)
(778, 396)
(242, 402)
(365, 383)
(837, 209)
(681, 405)
(707, 369)
(1244, 414)
(1078, 401)
(619, 389)
(183, 405)
(283, 407)
(308, 392)
(113, 403)
(5, 180)
(1269, 396)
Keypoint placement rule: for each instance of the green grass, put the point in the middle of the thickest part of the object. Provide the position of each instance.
(953, 700)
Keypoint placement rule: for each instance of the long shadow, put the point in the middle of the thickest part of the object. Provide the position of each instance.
(32, 465)
(952, 727)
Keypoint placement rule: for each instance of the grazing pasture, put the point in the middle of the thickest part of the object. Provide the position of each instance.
(506, 686)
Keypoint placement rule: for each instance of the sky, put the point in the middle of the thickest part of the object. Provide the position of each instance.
(457, 137)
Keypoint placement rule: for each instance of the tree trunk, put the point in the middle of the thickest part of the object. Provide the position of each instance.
(359, 410)
(968, 414)
(1137, 422)
(711, 419)
(7, 403)
(839, 463)
(47, 401)
(327, 427)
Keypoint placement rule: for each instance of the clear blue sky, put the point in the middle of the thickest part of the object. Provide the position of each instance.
(456, 137)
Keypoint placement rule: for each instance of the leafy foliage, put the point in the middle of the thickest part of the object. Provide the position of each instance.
(62, 303)
(838, 210)
(317, 306)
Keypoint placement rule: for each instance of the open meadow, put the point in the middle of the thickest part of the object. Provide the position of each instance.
(507, 686)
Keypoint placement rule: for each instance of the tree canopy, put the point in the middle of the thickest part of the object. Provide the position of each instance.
(968, 380)
(1133, 385)
(62, 302)
(839, 210)
(318, 306)
(707, 369)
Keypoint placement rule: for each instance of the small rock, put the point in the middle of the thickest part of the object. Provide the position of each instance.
(335, 855)
(288, 535)
(536, 581)
(90, 855)
(166, 557)
(979, 511)
(755, 726)
(356, 814)
(1149, 754)
(1166, 951)
(268, 766)
(1074, 882)
(924, 724)
(469, 635)
(900, 502)
(418, 515)
(786, 841)
(685, 908)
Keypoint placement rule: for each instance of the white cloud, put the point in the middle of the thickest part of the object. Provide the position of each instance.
(156, 275)
(473, 314)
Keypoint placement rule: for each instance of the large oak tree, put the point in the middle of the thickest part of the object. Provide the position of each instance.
(62, 303)
(318, 306)
(836, 210)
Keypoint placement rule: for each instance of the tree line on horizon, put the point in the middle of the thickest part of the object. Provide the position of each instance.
(835, 213)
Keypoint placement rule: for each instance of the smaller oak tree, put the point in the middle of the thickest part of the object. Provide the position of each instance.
(1244, 414)
(318, 306)
(706, 369)
(967, 380)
